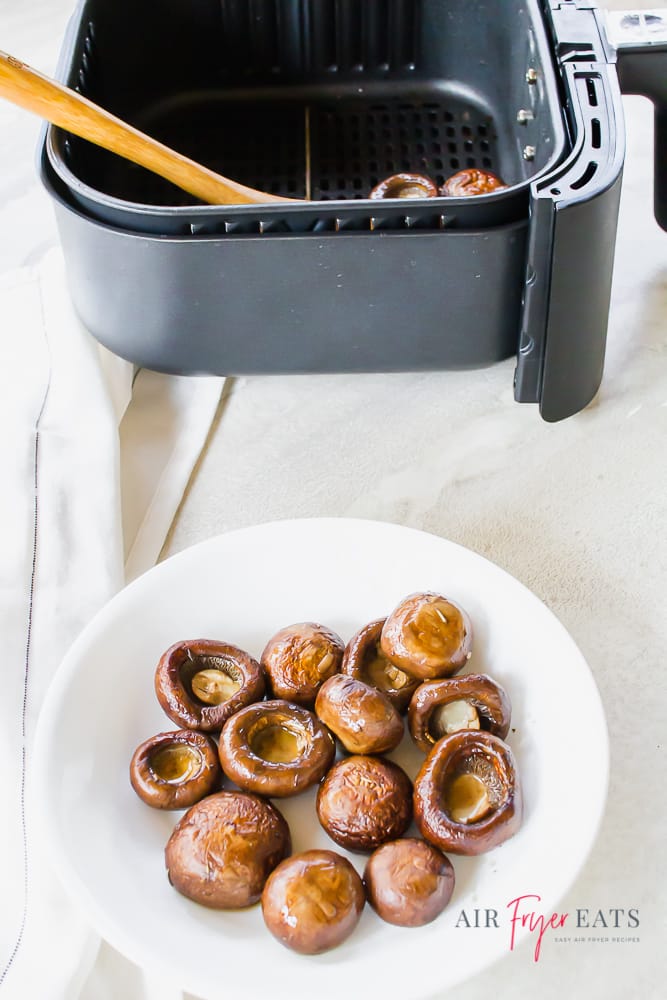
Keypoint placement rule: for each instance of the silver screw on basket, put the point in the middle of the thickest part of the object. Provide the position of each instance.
(531, 75)
(529, 152)
(524, 115)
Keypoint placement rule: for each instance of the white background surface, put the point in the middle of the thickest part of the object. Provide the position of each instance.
(576, 511)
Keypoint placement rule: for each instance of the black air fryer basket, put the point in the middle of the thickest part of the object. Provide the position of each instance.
(319, 100)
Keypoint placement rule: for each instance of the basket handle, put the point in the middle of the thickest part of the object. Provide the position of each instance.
(640, 41)
(574, 215)
(574, 209)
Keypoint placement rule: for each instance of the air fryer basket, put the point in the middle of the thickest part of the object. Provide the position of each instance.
(321, 99)
(316, 99)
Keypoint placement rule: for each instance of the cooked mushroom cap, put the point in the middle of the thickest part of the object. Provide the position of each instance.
(408, 882)
(428, 636)
(224, 848)
(470, 182)
(174, 770)
(275, 748)
(405, 186)
(364, 802)
(359, 715)
(313, 901)
(364, 659)
(200, 683)
(467, 797)
(472, 701)
(298, 659)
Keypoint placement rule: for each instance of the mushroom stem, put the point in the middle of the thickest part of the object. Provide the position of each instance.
(213, 686)
(452, 717)
(468, 799)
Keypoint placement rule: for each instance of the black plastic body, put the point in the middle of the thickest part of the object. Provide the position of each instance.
(362, 302)
(644, 71)
(341, 283)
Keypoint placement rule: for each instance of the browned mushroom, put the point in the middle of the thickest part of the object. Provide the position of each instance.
(473, 701)
(313, 901)
(467, 797)
(298, 659)
(364, 659)
(408, 882)
(471, 182)
(427, 635)
(201, 682)
(224, 848)
(275, 749)
(359, 715)
(174, 770)
(405, 186)
(364, 802)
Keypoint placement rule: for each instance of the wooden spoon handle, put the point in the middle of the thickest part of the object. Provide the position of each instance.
(67, 109)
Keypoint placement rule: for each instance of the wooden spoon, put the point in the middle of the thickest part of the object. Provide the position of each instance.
(67, 109)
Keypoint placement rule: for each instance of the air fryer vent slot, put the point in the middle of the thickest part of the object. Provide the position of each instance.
(285, 38)
(86, 81)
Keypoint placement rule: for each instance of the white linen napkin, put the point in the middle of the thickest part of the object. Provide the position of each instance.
(73, 483)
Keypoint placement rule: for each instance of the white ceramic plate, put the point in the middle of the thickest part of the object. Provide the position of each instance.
(242, 587)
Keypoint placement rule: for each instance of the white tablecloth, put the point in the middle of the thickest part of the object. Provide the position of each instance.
(95, 460)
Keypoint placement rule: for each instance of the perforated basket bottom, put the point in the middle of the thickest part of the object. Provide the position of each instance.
(322, 150)
(352, 149)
